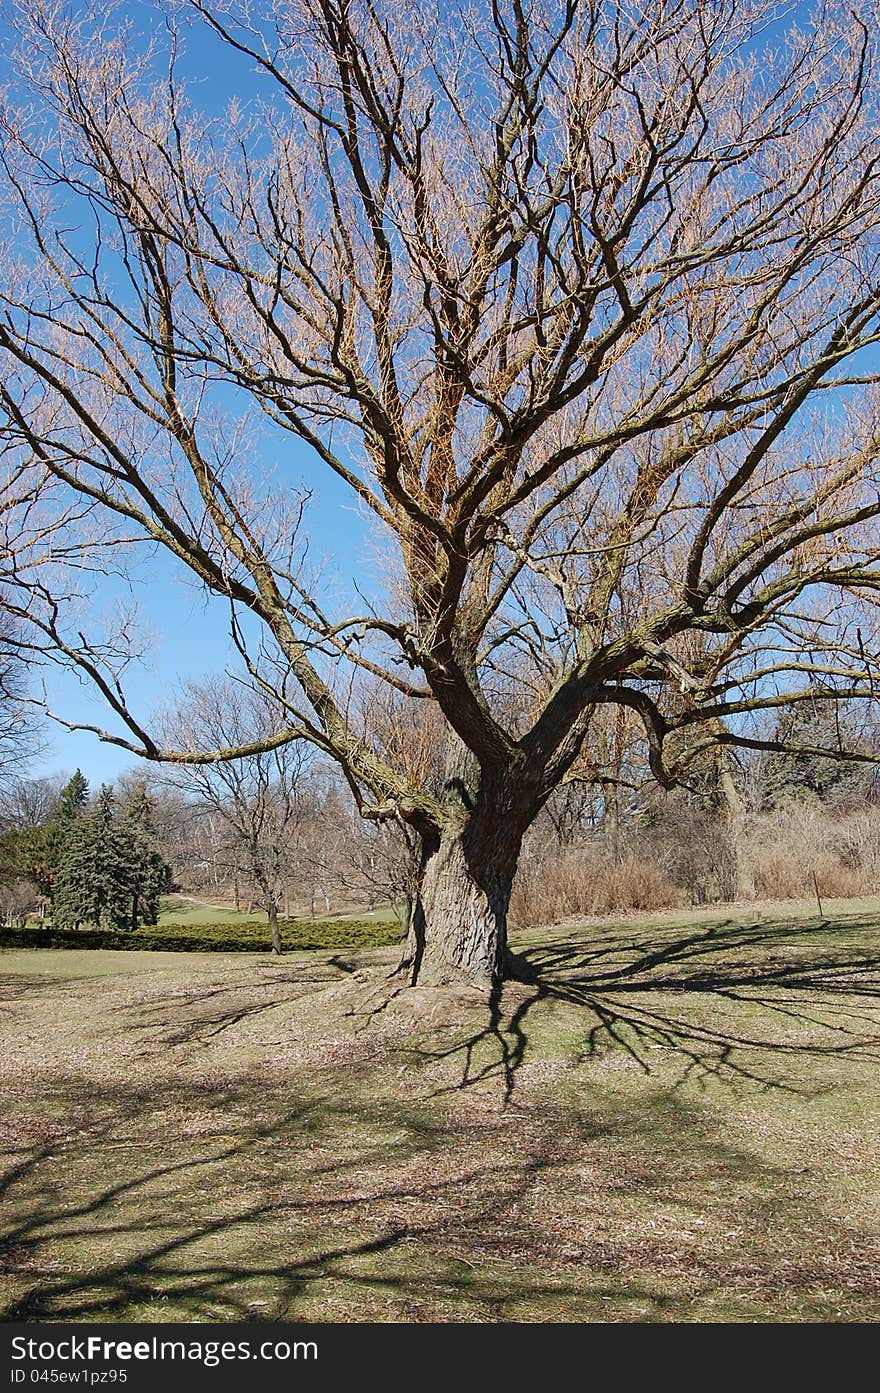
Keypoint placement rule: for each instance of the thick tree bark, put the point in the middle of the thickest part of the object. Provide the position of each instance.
(458, 929)
(406, 917)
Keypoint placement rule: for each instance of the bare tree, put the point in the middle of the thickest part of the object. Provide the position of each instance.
(370, 863)
(20, 740)
(576, 303)
(256, 799)
(29, 803)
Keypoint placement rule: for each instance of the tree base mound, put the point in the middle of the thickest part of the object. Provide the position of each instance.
(367, 999)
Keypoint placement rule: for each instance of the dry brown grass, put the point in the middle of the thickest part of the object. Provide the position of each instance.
(689, 859)
(676, 1120)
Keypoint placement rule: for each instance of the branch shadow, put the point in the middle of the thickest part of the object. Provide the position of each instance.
(174, 1251)
(323, 1209)
(363, 1189)
(806, 990)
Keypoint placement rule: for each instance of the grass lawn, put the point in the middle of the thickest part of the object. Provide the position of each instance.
(183, 911)
(178, 910)
(677, 1119)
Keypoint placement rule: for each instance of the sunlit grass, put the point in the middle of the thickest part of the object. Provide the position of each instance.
(675, 1120)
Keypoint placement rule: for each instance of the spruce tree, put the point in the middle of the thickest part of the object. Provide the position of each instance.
(43, 847)
(110, 875)
(78, 891)
(72, 799)
(150, 875)
(806, 729)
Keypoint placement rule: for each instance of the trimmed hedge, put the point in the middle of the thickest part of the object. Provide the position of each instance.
(297, 935)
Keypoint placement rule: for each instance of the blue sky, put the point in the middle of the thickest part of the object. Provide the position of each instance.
(189, 632)
(189, 628)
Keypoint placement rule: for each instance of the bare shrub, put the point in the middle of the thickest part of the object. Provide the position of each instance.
(857, 844)
(789, 878)
(800, 842)
(779, 877)
(833, 879)
(560, 887)
(17, 901)
(693, 849)
(636, 885)
(687, 855)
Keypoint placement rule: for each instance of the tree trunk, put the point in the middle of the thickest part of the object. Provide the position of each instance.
(611, 823)
(274, 935)
(406, 917)
(744, 883)
(458, 931)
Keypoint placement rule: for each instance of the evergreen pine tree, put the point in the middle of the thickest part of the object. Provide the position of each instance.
(44, 846)
(110, 875)
(813, 725)
(117, 867)
(78, 889)
(72, 799)
(150, 874)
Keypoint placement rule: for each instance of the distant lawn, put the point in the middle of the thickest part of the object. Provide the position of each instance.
(180, 911)
(208, 929)
(676, 1119)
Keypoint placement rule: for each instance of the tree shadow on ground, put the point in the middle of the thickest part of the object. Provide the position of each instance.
(345, 1210)
(804, 990)
(552, 1161)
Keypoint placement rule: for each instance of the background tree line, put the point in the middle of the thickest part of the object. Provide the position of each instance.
(278, 831)
(90, 862)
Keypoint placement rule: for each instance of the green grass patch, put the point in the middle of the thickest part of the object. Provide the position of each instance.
(180, 911)
(176, 912)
